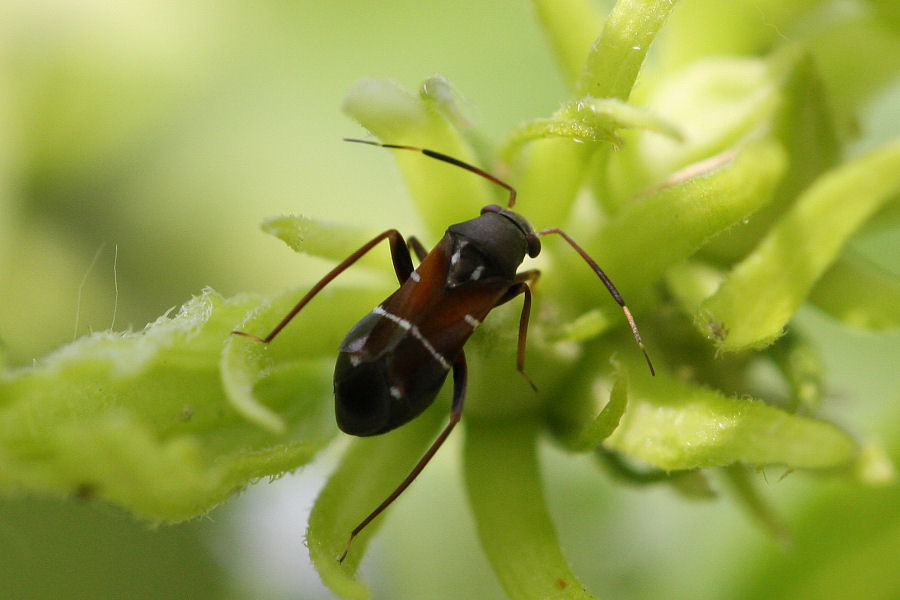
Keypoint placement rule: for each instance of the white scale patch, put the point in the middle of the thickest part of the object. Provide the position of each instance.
(395, 392)
(456, 255)
(472, 321)
(415, 277)
(404, 324)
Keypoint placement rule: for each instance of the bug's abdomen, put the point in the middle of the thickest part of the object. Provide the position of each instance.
(380, 386)
(361, 396)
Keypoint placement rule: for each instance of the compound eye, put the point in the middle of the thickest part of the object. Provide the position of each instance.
(492, 208)
(533, 243)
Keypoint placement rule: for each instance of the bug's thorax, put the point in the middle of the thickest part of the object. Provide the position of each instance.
(491, 245)
(392, 363)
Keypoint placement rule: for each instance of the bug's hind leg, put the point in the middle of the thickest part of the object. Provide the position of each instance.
(460, 380)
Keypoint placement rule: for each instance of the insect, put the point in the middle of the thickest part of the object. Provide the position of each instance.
(394, 361)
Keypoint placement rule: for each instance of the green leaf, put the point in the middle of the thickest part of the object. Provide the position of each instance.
(513, 525)
(369, 471)
(141, 420)
(741, 485)
(545, 199)
(802, 119)
(676, 425)
(552, 171)
(855, 38)
(444, 194)
(845, 540)
(594, 432)
(305, 346)
(692, 483)
(718, 105)
(692, 282)
(859, 293)
(756, 300)
(801, 366)
(585, 326)
(704, 28)
(571, 27)
(874, 466)
(335, 241)
(439, 94)
(616, 57)
(703, 201)
(589, 120)
(316, 238)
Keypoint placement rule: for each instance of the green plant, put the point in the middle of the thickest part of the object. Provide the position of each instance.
(719, 195)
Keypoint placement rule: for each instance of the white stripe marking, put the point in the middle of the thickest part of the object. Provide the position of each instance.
(415, 277)
(403, 323)
(472, 321)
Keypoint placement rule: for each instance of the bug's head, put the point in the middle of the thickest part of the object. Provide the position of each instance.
(532, 241)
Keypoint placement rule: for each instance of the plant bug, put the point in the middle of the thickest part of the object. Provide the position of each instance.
(392, 363)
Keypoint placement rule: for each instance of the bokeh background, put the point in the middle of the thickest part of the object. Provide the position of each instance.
(142, 142)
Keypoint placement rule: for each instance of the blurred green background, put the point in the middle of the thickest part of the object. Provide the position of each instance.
(141, 143)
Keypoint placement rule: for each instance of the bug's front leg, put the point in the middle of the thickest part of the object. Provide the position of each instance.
(416, 246)
(523, 283)
(460, 381)
(400, 258)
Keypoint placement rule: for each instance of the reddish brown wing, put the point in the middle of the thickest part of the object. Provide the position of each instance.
(443, 316)
(394, 361)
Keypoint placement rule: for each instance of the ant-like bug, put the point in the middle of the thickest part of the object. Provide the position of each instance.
(392, 363)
